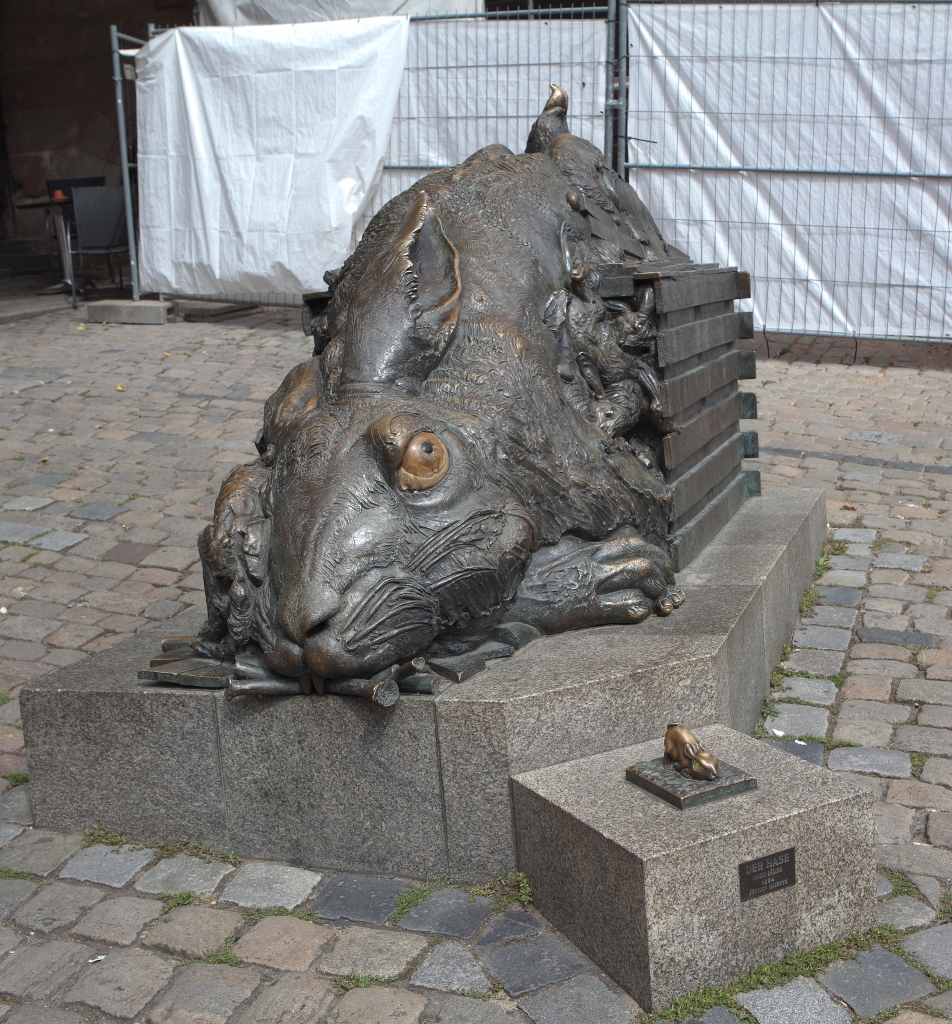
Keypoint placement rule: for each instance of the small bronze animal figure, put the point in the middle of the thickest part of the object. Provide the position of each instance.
(687, 755)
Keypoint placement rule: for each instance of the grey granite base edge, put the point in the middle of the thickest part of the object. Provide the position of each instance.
(147, 767)
(771, 544)
(98, 754)
(337, 783)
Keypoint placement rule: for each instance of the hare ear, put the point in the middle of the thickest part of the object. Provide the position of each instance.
(551, 123)
(435, 263)
(406, 307)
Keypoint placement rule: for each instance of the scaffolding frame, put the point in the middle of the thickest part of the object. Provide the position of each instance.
(615, 114)
(116, 39)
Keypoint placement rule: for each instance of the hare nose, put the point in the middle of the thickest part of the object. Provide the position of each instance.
(301, 614)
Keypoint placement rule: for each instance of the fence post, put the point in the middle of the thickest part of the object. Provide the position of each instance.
(621, 132)
(610, 70)
(124, 154)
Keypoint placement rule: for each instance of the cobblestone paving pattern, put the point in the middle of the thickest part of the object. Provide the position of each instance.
(115, 440)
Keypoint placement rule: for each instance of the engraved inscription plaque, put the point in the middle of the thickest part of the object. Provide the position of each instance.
(767, 874)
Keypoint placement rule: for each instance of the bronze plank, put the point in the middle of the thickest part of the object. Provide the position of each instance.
(203, 673)
(691, 314)
(677, 343)
(705, 476)
(604, 225)
(178, 643)
(682, 392)
(616, 285)
(695, 289)
(671, 268)
(688, 542)
(618, 281)
(695, 433)
(748, 405)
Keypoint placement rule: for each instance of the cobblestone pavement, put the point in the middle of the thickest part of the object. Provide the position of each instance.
(114, 442)
(89, 937)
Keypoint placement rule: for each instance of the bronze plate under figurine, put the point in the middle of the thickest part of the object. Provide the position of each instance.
(688, 774)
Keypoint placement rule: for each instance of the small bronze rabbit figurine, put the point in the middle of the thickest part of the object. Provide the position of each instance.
(687, 755)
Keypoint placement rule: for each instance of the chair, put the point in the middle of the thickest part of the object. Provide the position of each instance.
(65, 216)
(100, 215)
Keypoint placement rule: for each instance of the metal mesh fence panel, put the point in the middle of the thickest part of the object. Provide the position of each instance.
(810, 144)
(473, 81)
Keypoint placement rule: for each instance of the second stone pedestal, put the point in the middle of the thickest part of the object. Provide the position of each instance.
(667, 901)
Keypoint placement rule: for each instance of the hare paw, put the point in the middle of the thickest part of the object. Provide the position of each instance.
(576, 583)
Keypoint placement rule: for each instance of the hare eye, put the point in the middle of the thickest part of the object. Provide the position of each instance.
(424, 464)
(696, 766)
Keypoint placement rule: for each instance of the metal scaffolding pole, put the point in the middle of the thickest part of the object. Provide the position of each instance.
(611, 68)
(621, 146)
(115, 35)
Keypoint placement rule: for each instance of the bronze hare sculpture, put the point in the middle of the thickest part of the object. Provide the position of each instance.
(687, 755)
(473, 441)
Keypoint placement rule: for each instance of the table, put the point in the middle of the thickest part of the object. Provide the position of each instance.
(53, 208)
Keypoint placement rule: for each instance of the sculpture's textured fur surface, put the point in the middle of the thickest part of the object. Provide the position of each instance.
(461, 446)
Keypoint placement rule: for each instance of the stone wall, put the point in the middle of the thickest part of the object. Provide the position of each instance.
(56, 89)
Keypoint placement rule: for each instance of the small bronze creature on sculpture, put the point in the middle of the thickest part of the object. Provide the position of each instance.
(470, 455)
(687, 755)
(687, 774)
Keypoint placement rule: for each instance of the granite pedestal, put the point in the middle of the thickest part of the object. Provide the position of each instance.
(653, 894)
(125, 311)
(422, 787)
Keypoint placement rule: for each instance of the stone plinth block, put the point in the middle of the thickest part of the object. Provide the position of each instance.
(653, 894)
(126, 311)
(309, 779)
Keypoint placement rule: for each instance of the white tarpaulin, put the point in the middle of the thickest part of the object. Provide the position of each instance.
(257, 148)
(283, 12)
(809, 144)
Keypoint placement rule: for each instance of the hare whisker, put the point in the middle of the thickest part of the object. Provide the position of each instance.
(407, 627)
(413, 604)
(432, 550)
(389, 588)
